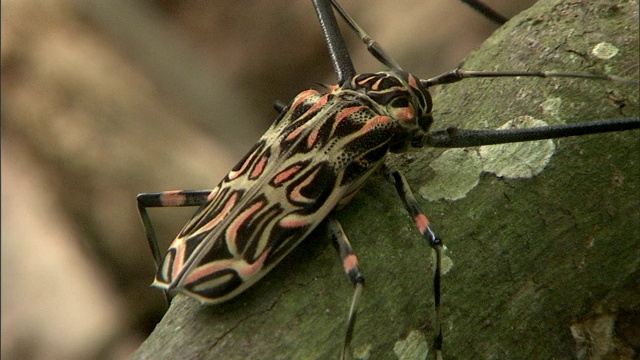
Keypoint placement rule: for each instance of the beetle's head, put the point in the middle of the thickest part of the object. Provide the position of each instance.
(404, 99)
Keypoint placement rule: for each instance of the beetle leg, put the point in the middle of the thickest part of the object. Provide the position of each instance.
(422, 223)
(166, 199)
(350, 265)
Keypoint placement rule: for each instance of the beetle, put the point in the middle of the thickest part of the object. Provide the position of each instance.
(514, 260)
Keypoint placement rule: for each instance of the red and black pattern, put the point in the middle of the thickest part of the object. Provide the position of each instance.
(315, 157)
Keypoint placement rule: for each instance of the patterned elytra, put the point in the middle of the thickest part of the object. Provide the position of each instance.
(314, 158)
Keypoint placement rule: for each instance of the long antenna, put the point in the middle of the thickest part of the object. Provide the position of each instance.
(456, 75)
(454, 137)
(485, 10)
(372, 46)
(338, 51)
(457, 138)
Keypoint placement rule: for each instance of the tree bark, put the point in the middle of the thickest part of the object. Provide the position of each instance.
(541, 267)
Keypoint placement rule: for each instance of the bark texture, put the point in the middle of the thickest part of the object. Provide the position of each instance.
(543, 267)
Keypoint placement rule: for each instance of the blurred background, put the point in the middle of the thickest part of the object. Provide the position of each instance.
(104, 100)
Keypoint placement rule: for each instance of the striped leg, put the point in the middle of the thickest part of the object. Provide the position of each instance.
(350, 264)
(422, 223)
(166, 199)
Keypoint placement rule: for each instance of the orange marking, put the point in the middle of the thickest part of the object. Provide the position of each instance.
(172, 198)
(259, 167)
(320, 103)
(178, 261)
(252, 269)
(293, 223)
(295, 194)
(317, 105)
(364, 81)
(422, 222)
(232, 233)
(294, 134)
(286, 174)
(243, 268)
(376, 85)
(213, 193)
(221, 215)
(346, 112)
(412, 82)
(209, 269)
(350, 263)
(407, 114)
(311, 140)
(373, 122)
(302, 97)
(234, 174)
